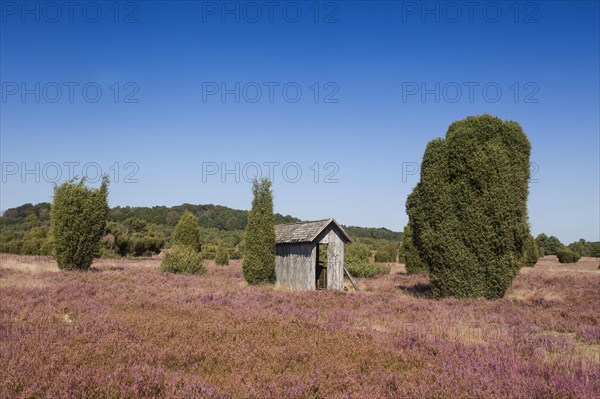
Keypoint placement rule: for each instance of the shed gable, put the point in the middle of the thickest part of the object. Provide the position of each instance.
(291, 233)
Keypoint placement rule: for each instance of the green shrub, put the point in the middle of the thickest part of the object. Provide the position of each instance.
(134, 237)
(356, 260)
(531, 254)
(235, 253)
(541, 252)
(387, 252)
(25, 235)
(32, 218)
(259, 248)
(106, 253)
(468, 213)
(135, 225)
(585, 248)
(187, 231)
(356, 253)
(182, 259)
(78, 218)
(209, 250)
(32, 247)
(145, 244)
(12, 247)
(595, 249)
(114, 239)
(222, 256)
(48, 247)
(550, 244)
(412, 260)
(34, 242)
(565, 255)
(10, 242)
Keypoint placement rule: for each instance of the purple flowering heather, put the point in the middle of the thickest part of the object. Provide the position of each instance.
(131, 331)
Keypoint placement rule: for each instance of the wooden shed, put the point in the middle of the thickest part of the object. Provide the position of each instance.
(298, 264)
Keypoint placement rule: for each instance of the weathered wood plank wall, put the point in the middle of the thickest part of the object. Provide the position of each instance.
(335, 261)
(295, 265)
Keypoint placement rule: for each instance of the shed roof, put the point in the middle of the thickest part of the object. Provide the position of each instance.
(290, 233)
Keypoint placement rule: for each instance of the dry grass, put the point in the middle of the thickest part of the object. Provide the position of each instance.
(25, 271)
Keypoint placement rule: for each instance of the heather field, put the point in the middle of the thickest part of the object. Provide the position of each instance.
(126, 330)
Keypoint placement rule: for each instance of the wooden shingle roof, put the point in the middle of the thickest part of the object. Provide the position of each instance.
(290, 233)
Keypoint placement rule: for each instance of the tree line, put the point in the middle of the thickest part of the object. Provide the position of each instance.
(146, 231)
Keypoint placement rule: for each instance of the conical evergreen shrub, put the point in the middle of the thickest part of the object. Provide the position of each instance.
(222, 256)
(259, 250)
(187, 232)
(78, 218)
(468, 213)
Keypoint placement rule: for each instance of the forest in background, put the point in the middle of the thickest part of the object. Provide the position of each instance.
(146, 231)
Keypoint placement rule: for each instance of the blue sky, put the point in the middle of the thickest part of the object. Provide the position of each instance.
(180, 101)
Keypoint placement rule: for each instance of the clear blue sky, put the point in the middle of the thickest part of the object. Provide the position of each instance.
(390, 77)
